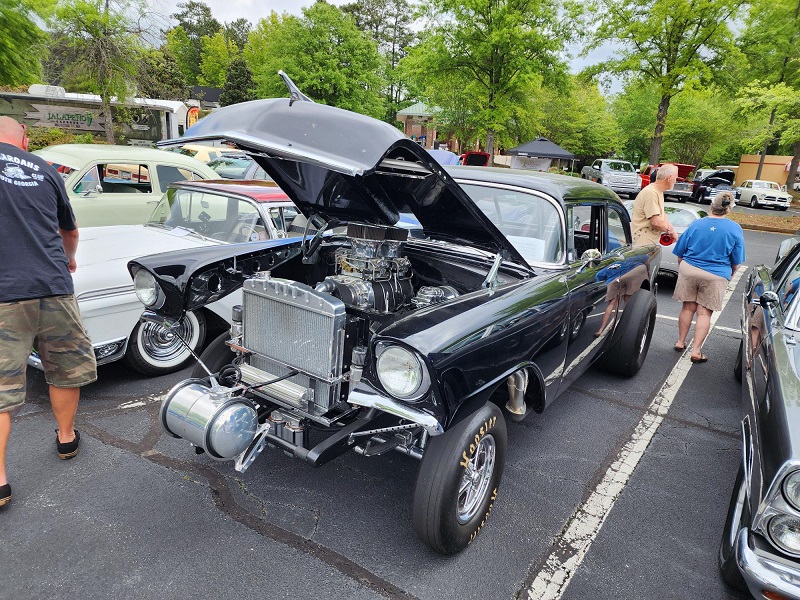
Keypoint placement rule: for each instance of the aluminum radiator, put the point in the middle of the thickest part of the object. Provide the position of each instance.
(293, 327)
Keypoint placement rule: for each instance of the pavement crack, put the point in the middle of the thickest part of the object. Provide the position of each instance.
(224, 500)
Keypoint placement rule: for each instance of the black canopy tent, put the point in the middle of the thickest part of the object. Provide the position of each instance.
(542, 148)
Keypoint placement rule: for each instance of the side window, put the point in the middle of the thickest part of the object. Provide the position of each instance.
(168, 174)
(277, 219)
(596, 165)
(261, 174)
(618, 231)
(125, 178)
(790, 286)
(584, 229)
(90, 182)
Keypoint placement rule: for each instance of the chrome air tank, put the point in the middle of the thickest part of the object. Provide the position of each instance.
(210, 417)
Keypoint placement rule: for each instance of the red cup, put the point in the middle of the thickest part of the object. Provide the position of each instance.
(666, 239)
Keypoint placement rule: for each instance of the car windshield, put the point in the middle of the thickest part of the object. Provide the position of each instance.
(210, 215)
(231, 167)
(620, 166)
(766, 185)
(530, 222)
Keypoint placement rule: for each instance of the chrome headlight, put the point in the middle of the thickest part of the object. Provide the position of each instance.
(401, 372)
(791, 489)
(785, 533)
(147, 289)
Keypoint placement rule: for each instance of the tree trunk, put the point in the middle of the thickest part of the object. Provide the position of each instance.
(490, 146)
(766, 145)
(658, 134)
(793, 167)
(109, 122)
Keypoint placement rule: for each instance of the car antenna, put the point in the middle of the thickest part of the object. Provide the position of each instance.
(294, 92)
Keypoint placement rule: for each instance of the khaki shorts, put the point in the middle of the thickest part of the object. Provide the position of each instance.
(54, 326)
(697, 285)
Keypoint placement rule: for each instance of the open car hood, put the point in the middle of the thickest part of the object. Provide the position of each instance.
(341, 165)
(720, 177)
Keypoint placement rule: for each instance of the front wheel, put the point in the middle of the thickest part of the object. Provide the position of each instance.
(216, 355)
(458, 480)
(753, 202)
(628, 348)
(156, 350)
(737, 512)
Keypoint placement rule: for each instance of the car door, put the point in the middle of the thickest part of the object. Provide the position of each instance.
(599, 254)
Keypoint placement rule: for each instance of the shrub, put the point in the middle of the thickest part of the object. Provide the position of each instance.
(41, 137)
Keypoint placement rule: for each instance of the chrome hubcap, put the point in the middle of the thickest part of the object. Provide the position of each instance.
(643, 341)
(163, 344)
(476, 479)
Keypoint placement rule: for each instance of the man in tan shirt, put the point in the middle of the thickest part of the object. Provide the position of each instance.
(648, 217)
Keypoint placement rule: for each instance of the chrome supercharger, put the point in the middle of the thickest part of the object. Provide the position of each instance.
(214, 418)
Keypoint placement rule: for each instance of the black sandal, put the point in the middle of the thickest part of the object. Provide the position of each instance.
(68, 449)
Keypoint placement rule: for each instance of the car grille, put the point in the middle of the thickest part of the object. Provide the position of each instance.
(293, 327)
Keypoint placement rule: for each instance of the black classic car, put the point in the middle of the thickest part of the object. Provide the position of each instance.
(355, 336)
(704, 190)
(760, 549)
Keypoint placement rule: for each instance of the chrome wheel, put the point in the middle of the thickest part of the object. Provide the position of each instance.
(476, 479)
(155, 350)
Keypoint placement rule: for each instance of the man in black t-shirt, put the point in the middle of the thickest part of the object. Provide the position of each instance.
(38, 241)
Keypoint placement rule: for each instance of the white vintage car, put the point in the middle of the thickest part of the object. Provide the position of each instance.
(191, 214)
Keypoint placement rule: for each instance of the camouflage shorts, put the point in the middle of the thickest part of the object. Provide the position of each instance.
(53, 325)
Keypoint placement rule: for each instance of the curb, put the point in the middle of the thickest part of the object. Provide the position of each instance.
(770, 229)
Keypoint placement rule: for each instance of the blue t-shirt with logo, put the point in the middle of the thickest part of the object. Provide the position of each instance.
(714, 245)
(33, 206)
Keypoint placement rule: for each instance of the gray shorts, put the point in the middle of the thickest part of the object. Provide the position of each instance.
(52, 326)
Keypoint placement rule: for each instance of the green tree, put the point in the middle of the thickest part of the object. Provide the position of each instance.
(498, 51)
(771, 42)
(237, 32)
(328, 58)
(21, 41)
(668, 43)
(159, 76)
(635, 112)
(578, 118)
(104, 45)
(700, 120)
(388, 24)
(239, 84)
(196, 21)
(217, 55)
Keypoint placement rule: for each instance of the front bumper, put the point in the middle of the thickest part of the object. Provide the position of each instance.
(624, 188)
(764, 571)
(774, 203)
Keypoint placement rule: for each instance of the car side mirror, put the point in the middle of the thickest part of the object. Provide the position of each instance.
(768, 299)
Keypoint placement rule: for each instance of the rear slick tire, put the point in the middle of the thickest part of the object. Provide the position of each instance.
(458, 480)
(631, 341)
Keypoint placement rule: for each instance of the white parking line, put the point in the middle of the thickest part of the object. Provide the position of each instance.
(718, 327)
(571, 546)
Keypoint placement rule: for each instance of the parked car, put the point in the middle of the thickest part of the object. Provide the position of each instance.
(475, 159)
(205, 153)
(119, 185)
(682, 189)
(704, 190)
(680, 217)
(239, 167)
(619, 175)
(758, 192)
(760, 549)
(191, 215)
(380, 341)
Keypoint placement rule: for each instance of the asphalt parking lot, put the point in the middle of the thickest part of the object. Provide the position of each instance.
(138, 515)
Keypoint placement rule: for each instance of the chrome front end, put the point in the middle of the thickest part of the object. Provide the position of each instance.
(764, 571)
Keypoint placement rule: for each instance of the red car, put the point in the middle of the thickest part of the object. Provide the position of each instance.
(683, 171)
(682, 189)
(475, 159)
